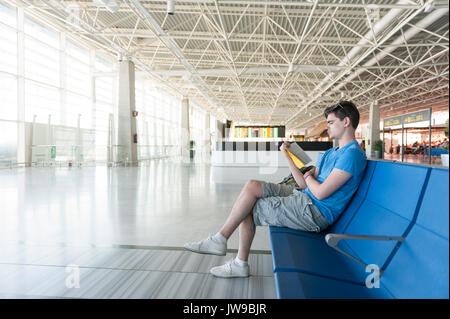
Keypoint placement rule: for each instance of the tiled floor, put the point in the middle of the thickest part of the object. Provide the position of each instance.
(122, 231)
(91, 272)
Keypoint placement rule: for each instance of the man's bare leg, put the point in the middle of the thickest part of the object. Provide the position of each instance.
(241, 214)
(245, 238)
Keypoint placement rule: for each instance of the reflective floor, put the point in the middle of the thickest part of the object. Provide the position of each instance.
(122, 230)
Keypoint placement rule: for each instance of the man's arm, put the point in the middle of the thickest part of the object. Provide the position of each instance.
(315, 172)
(334, 181)
(296, 173)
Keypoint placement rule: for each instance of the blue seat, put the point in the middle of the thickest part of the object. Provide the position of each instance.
(299, 285)
(420, 267)
(437, 151)
(387, 202)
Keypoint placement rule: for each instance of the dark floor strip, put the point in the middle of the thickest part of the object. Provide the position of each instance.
(261, 252)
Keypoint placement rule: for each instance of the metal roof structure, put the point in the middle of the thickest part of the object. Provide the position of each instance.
(274, 62)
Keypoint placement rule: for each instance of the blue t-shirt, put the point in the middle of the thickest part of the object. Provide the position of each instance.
(350, 158)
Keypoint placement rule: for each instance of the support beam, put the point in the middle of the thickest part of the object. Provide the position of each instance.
(185, 131)
(127, 133)
(374, 127)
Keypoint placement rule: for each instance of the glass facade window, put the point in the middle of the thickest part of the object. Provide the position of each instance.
(8, 93)
(42, 58)
(60, 76)
(8, 63)
(158, 121)
(77, 52)
(8, 52)
(197, 125)
(8, 16)
(101, 65)
(79, 105)
(42, 100)
(78, 78)
(45, 35)
(105, 102)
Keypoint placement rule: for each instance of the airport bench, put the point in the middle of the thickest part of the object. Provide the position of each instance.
(397, 222)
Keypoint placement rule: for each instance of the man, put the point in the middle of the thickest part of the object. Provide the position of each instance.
(325, 192)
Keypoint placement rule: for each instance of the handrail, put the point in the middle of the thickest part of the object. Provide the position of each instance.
(333, 240)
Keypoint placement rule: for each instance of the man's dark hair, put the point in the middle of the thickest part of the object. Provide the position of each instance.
(342, 110)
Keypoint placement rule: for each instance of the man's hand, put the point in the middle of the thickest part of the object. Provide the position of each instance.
(309, 172)
(312, 170)
(306, 169)
(285, 146)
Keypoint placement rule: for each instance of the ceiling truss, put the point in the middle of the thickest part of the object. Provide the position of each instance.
(273, 62)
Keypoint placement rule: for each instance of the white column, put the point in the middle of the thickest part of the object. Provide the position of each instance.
(219, 131)
(146, 140)
(93, 92)
(155, 139)
(185, 133)
(111, 138)
(127, 123)
(207, 136)
(163, 138)
(24, 142)
(374, 127)
(62, 79)
(217, 135)
(79, 143)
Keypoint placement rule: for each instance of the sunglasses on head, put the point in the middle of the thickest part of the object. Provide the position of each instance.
(339, 105)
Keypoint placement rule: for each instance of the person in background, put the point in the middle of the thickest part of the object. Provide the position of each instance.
(415, 147)
(423, 148)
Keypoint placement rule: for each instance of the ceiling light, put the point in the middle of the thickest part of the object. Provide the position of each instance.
(290, 68)
(171, 7)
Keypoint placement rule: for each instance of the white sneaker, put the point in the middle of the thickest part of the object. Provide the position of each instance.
(230, 270)
(207, 246)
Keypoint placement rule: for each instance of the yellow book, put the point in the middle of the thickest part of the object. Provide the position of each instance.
(298, 155)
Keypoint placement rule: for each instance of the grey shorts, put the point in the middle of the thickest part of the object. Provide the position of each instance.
(285, 206)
